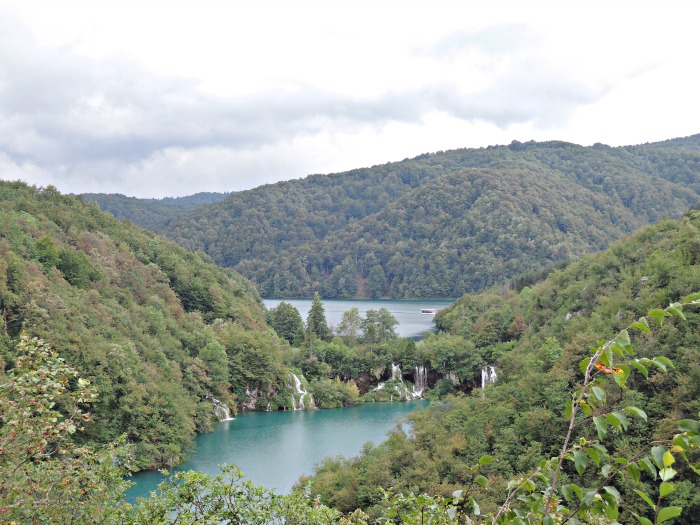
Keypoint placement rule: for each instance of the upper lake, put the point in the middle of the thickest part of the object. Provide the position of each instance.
(412, 323)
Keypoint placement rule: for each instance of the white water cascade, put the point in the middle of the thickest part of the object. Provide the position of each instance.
(303, 394)
(488, 377)
(420, 381)
(221, 410)
(396, 372)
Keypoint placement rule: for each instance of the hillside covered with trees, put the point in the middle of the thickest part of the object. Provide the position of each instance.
(538, 339)
(150, 213)
(157, 331)
(442, 224)
(487, 454)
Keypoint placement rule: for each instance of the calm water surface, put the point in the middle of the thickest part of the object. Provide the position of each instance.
(275, 448)
(412, 323)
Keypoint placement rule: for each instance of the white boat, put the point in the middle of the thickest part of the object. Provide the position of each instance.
(429, 311)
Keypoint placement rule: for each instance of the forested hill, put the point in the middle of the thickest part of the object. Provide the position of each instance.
(535, 339)
(155, 329)
(151, 213)
(446, 223)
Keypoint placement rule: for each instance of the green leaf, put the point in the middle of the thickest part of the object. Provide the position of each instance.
(658, 315)
(481, 480)
(623, 339)
(580, 460)
(548, 520)
(586, 408)
(689, 425)
(569, 409)
(594, 454)
(639, 366)
(613, 492)
(636, 412)
(577, 490)
(676, 310)
(642, 519)
(657, 455)
(668, 459)
(662, 362)
(634, 472)
(622, 418)
(646, 498)
(665, 489)
(642, 325)
(667, 474)
(599, 393)
(647, 465)
(611, 510)
(485, 460)
(567, 492)
(614, 421)
(601, 426)
(692, 297)
(667, 513)
(583, 365)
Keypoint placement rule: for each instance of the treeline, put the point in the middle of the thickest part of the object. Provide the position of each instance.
(536, 339)
(441, 224)
(151, 213)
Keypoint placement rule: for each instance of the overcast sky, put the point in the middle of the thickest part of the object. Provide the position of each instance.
(155, 99)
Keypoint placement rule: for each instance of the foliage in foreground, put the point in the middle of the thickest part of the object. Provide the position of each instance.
(47, 479)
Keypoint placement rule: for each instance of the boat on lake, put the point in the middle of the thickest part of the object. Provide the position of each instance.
(429, 311)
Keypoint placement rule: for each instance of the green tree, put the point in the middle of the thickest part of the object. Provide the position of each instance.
(350, 324)
(376, 282)
(45, 477)
(379, 325)
(214, 355)
(286, 322)
(316, 323)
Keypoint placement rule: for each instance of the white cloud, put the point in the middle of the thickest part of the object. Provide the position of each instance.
(170, 98)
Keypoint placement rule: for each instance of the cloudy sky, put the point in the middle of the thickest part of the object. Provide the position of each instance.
(155, 99)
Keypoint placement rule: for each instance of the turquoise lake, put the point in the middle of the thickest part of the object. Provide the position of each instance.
(275, 448)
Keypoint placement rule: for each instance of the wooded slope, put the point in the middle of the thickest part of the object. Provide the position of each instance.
(442, 224)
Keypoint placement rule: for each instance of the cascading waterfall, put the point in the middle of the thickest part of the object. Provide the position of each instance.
(396, 372)
(488, 377)
(420, 381)
(221, 410)
(303, 394)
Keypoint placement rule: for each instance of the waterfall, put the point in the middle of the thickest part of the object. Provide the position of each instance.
(395, 372)
(221, 410)
(488, 377)
(420, 380)
(303, 394)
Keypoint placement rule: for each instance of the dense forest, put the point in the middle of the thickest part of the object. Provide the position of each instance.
(535, 337)
(157, 331)
(440, 224)
(142, 334)
(150, 213)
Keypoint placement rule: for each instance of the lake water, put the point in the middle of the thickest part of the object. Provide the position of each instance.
(275, 448)
(412, 323)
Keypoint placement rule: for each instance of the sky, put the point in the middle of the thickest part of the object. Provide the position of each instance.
(169, 98)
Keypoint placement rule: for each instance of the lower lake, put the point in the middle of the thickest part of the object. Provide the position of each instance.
(412, 323)
(275, 448)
